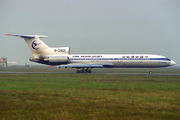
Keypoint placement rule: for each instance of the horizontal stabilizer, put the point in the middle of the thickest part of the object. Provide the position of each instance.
(28, 36)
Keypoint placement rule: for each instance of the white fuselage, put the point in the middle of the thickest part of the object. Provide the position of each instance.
(123, 60)
(118, 60)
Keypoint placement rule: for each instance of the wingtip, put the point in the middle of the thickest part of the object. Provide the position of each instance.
(51, 66)
(8, 34)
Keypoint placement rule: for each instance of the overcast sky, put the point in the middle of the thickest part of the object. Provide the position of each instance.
(92, 26)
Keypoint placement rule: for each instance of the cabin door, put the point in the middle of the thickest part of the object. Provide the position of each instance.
(97, 59)
(92, 59)
(119, 60)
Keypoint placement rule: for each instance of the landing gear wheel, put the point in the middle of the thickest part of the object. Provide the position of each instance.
(89, 71)
(84, 70)
(150, 72)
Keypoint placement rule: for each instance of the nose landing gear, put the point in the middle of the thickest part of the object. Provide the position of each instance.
(150, 72)
(84, 70)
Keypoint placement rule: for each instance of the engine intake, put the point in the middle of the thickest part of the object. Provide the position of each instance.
(57, 59)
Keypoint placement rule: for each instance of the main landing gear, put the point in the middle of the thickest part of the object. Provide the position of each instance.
(84, 70)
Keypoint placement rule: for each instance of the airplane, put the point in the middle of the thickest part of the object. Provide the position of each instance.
(61, 57)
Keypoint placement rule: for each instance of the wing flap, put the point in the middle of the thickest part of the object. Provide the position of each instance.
(80, 66)
(101, 65)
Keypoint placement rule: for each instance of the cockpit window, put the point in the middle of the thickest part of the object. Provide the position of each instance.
(167, 59)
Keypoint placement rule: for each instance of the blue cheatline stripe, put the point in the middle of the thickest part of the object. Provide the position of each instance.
(140, 59)
(121, 59)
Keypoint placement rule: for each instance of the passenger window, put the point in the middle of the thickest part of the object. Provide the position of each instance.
(132, 56)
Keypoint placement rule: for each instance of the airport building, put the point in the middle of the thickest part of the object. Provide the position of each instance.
(3, 62)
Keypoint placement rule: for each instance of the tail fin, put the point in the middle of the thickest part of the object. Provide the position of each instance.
(36, 46)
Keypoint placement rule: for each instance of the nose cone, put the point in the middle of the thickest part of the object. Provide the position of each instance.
(172, 63)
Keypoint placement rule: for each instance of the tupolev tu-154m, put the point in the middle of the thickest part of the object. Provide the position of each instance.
(61, 57)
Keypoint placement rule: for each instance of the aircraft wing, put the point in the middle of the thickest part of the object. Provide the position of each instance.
(98, 65)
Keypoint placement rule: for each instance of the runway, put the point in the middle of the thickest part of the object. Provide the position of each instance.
(166, 74)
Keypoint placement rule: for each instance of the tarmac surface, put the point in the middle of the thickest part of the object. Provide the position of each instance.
(7, 72)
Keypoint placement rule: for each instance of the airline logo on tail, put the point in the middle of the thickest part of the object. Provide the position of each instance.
(35, 45)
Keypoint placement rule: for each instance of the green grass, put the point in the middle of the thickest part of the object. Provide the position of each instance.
(86, 96)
